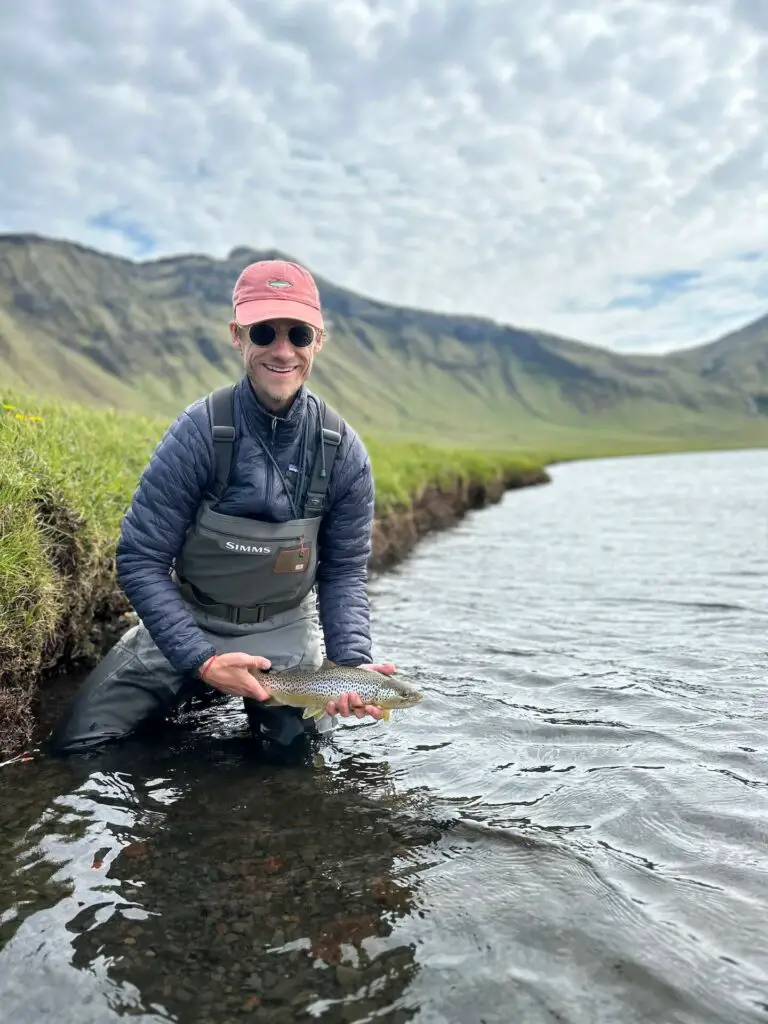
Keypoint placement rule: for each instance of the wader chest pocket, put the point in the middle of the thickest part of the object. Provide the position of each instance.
(292, 560)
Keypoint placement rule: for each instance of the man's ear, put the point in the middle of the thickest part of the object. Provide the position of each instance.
(319, 341)
(234, 335)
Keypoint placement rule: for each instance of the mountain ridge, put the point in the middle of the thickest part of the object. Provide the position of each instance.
(151, 335)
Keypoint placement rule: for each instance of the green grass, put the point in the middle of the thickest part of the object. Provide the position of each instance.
(403, 469)
(66, 478)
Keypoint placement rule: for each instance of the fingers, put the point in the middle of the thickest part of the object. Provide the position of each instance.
(386, 668)
(257, 690)
(238, 659)
(256, 662)
(342, 705)
(351, 704)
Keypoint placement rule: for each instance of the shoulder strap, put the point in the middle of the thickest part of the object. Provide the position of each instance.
(221, 412)
(324, 457)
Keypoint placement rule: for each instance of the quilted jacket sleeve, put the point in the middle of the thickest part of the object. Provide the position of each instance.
(345, 547)
(153, 531)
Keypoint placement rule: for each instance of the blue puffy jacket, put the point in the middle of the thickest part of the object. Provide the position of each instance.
(166, 500)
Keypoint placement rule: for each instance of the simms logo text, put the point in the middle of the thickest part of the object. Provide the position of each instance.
(249, 549)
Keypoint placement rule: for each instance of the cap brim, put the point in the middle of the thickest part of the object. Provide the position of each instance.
(254, 312)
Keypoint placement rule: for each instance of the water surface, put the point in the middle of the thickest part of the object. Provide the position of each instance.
(572, 828)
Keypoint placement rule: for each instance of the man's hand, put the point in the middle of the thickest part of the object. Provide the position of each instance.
(229, 673)
(351, 704)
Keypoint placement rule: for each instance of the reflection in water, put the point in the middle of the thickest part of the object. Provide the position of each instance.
(199, 882)
(572, 828)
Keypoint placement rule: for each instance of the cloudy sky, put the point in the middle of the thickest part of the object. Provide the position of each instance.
(595, 168)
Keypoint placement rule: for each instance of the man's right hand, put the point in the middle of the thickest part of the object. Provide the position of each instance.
(229, 673)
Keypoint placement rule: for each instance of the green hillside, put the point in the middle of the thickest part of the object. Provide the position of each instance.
(738, 360)
(152, 336)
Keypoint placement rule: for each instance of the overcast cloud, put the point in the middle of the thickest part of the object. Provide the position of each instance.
(595, 168)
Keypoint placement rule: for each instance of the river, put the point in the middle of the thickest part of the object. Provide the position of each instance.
(572, 828)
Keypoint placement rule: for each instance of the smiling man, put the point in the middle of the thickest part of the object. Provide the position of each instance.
(257, 496)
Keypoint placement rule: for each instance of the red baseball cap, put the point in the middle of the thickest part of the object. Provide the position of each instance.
(276, 288)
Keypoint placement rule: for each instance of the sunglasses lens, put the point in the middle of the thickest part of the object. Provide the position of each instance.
(301, 336)
(262, 334)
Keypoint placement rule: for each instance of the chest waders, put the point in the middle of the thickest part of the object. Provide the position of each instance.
(247, 570)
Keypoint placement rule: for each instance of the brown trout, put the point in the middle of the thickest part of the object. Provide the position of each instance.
(311, 690)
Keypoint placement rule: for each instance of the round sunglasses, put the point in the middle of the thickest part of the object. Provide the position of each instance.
(300, 335)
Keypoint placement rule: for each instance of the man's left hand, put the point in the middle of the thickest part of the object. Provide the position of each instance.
(351, 704)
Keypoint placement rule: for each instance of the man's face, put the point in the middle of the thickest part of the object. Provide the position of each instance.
(276, 370)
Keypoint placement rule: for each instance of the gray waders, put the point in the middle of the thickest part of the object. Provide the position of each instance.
(226, 563)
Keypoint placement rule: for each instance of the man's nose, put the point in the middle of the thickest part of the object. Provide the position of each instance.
(282, 343)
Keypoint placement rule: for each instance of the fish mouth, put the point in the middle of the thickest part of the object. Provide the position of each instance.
(405, 701)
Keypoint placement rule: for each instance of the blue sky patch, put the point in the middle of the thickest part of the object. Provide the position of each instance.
(116, 220)
(654, 289)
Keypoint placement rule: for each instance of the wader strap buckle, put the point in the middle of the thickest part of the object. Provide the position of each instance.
(239, 616)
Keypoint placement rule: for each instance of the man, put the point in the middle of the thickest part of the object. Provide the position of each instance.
(255, 495)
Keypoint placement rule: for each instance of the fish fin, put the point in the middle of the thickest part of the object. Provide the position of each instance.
(315, 711)
(386, 714)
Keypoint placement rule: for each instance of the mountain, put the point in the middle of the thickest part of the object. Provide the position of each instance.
(738, 361)
(152, 336)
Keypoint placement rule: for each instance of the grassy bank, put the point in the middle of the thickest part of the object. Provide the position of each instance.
(68, 474)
